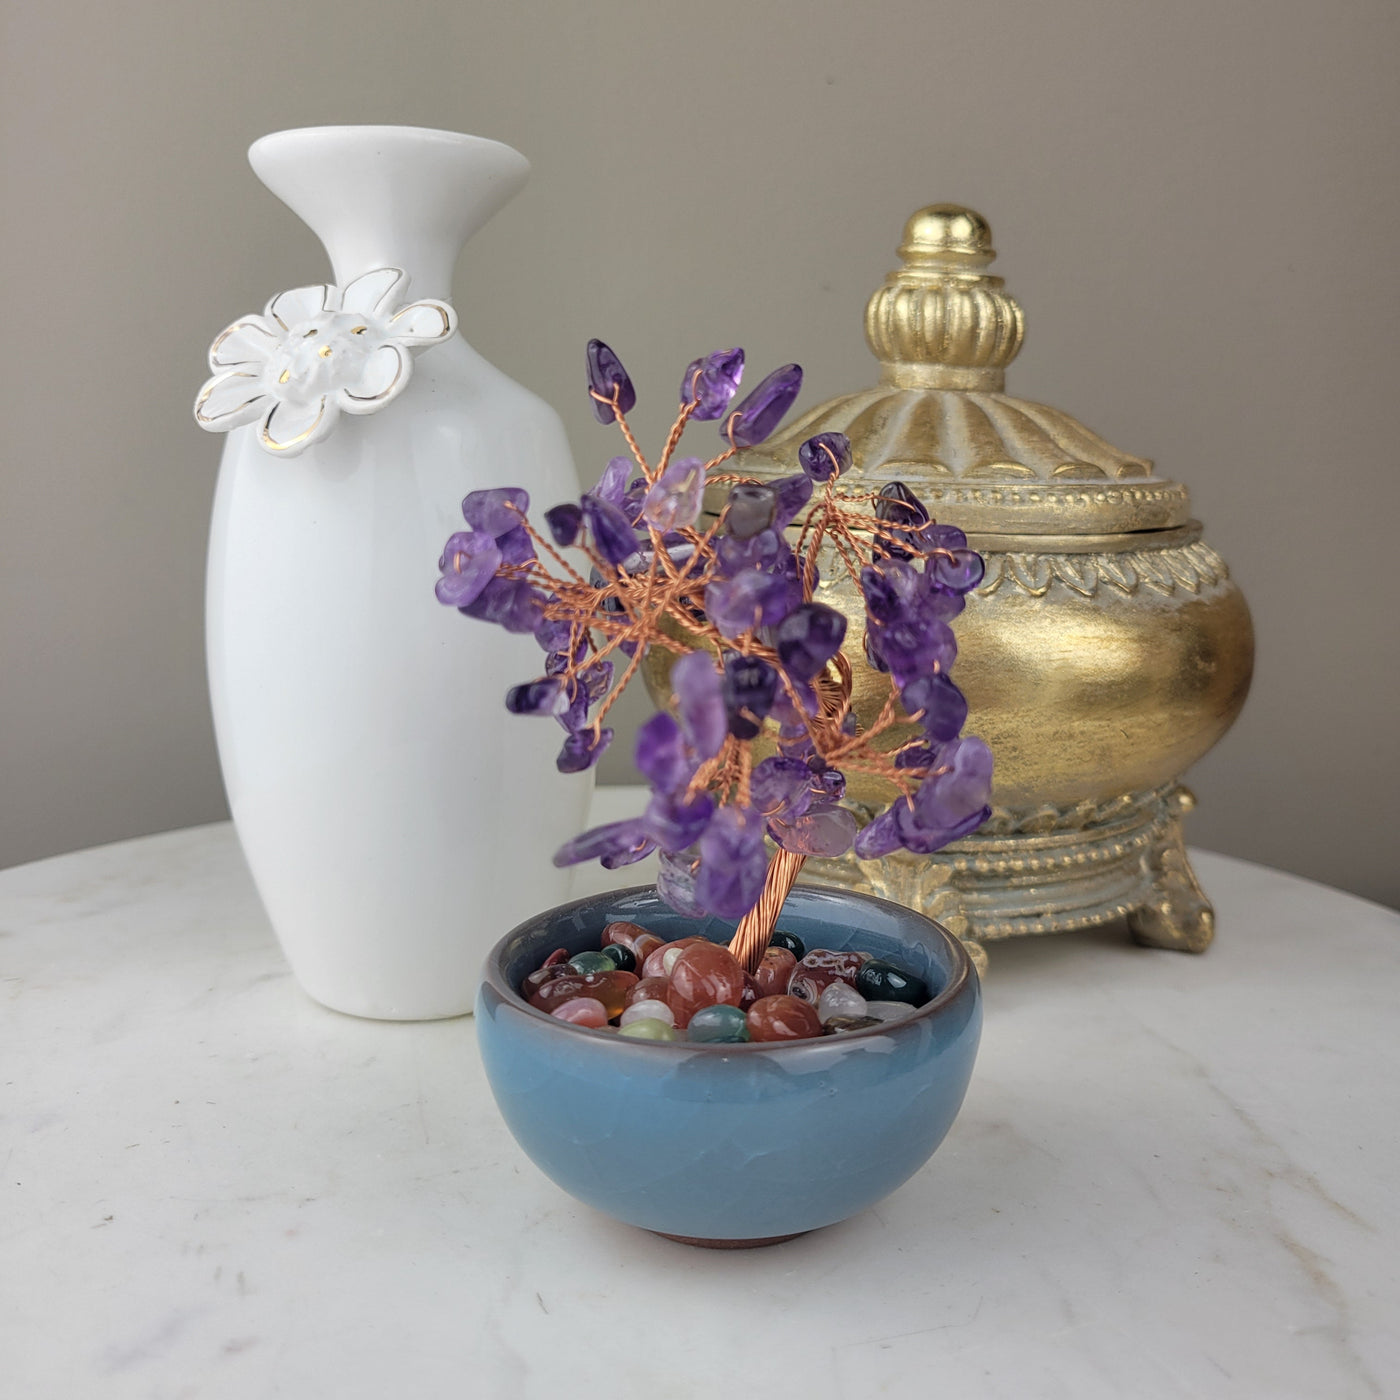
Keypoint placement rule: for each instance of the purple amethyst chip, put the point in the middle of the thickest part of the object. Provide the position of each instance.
(700, 703)
(607, 379)
(793, 493)
(469, 562)
(762, 410)
(546, 697)
(710, 383)
(613, 537)
(940, 705)
(660, 754)
(808, 638)
(825, 456)
(750, 686)
(750, 600)
(749, 510)
(582, 749)
(564, 521)
(496, 512)
(508, 602)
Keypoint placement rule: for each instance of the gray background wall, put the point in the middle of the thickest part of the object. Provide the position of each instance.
(1195, 202)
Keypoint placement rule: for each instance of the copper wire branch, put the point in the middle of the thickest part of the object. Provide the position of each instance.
(659, 604)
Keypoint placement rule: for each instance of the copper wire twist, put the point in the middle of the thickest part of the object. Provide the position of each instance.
(750, 939)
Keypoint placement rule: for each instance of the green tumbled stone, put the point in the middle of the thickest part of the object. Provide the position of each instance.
(881, 981)
(649, 1029)
(790, 941)
(713, 1025)
(623, 959)
(837, 1024)
(589, 961)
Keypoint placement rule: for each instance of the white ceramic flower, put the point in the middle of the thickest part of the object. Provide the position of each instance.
(317, 352)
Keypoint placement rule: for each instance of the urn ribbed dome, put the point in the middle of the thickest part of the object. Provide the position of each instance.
(944, 330)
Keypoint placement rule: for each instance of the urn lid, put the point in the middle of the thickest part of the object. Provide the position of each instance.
(944, 330)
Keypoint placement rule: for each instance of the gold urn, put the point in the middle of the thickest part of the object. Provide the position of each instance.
(1105, 651)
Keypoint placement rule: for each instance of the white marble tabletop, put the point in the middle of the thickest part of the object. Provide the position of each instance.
(1173, 1176)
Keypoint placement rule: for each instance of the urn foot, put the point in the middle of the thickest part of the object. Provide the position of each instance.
(1178, 915)
(1050, 870)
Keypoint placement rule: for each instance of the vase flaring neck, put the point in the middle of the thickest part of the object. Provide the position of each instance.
(390, 196)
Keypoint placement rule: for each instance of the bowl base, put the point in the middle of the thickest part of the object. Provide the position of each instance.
(730, 1244)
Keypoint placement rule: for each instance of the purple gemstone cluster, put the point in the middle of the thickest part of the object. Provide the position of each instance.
(756, 656)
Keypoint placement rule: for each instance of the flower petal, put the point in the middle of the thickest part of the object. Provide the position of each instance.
(248, 341)
(374, 291)
(301, 304)
(229, 400)
(386, 373)
(291, 428)
(422, 323)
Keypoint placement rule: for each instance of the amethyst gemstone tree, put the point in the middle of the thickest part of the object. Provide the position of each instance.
(755, 747)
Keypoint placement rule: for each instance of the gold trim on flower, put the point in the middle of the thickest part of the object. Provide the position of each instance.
(317, 352)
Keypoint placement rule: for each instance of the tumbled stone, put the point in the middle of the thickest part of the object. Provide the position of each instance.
(716, 1025)
(840, 1000)
(591, 961)
(649, 1029)
(774, 970)
(623, 933)
(782, 1018)
(839, 1024)
(889, 1010)
(654, 964)
(648, 1010)
(882, 981)
(582, 1011)
(621, 957)
(608, 987)
(547, 973)
(817, 970)
(645, 946)
(703, 974)
(649, 989)
(790, 941)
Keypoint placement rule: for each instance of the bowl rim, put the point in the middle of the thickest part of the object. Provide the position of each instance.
(963, 972)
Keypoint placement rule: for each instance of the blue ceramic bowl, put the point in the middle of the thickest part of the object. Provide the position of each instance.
(732, 1144)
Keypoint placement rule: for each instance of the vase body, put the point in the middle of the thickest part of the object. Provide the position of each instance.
(394, 816)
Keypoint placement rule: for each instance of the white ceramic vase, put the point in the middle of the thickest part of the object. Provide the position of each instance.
(396, 819)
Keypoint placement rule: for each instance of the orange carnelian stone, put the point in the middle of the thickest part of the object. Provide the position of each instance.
(774, 971)
(620, 931)
(705, 974)
(649, 989)
(783, 1018)
(645, 946)
(610, 988)
(546, 972)
(651, 967)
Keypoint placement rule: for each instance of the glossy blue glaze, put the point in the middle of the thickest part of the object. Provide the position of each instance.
(735, 1141)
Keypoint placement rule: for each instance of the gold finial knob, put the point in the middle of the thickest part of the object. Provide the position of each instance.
(940, 321)
(947, 236)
